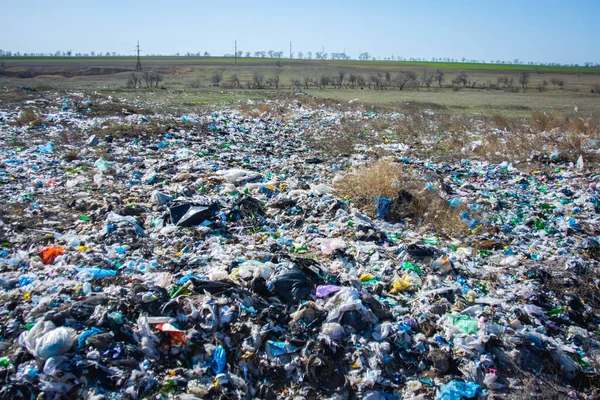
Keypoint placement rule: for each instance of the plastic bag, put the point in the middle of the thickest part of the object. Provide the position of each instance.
(44, 340)
(102, 165)
(329, 245)
(463, 323)
(457, 390)
(218, 361)
(49, 254)
(291, 285)
(383, 206)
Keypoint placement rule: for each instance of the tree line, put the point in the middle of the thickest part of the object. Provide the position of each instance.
(385, 80)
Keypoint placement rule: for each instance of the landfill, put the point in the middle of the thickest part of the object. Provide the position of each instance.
(211, 258)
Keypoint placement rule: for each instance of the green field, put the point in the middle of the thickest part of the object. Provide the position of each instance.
(120, 60)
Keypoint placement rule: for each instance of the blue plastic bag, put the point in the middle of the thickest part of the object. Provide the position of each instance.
(383, 206)
(218, 360)
(85, 335)
(457, 390)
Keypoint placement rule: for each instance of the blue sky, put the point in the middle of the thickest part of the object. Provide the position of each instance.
(530, 30)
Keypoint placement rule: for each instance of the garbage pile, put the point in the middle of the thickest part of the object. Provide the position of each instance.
(213, 260)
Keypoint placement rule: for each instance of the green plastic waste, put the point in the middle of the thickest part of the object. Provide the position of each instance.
(413, 267)
(464, 323)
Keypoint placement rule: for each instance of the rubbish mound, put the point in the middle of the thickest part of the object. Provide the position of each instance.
(208, 256)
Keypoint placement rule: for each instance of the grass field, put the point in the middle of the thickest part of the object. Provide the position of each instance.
(187, 80)
(167, 60)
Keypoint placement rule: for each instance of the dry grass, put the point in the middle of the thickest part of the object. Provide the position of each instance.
(410, 199)
(256, 110)
(29, 117)
(119, 130)
(71, 155)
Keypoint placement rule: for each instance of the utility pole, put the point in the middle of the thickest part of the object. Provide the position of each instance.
(290, 49)
(235, 53)
(138, 66)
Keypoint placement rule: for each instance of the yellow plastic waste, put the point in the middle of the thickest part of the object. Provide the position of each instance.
(403, 284)
(366, 277)
(234, 274)
(471, 296)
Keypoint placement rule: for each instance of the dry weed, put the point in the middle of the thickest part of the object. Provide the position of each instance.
(410, 198)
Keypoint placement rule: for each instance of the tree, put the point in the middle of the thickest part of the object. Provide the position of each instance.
(274, 80)
(235, 80)
(309, 54)
(258, 80)
(217, 77)
(247, 54)
(352, 80)
(341, 76)
(558, 82)
(300, 55)
(413, 80)
(439, 77)
(401, 80)
(270, 53)
(151, 78)
(134, 81)
(461, 79)
(523, 78)
(307, 81)
(427, 79)
(296, 82)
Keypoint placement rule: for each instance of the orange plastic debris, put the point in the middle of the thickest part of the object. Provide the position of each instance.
(49, 254)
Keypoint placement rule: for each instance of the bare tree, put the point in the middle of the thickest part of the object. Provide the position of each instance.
(235, 81)
(461, 80)
(352, 80)
(377, 81)
(413, 80)
(156, 78)
(147, 79)
(596, 88)
(217, 77)
(427, 80)
(523, 78)
(401, 80)
(258, 80)
(558, 82)
(341, 76)
(439, 77)
(134, 81)
(388, 78)
(306, 79)
(361, 81)
(296, 82)
(274, 80)
(324, 81)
